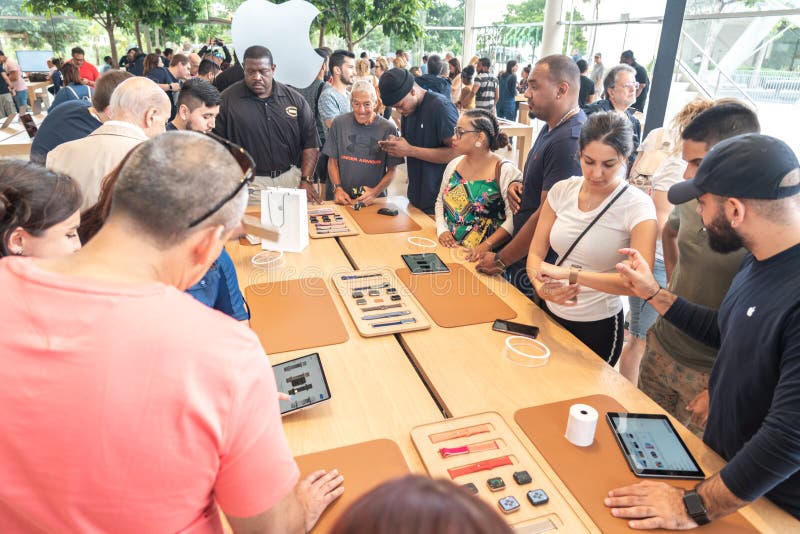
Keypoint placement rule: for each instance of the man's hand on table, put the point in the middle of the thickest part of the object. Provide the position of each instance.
(487, 265)
(311, 191)
(316, 492)
(650, 505)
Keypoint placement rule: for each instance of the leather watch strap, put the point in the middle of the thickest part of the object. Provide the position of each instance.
(485, 465)
(466, 449)
(460, 433)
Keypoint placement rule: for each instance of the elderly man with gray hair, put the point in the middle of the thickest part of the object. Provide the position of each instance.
(358, 168)
(138, 110)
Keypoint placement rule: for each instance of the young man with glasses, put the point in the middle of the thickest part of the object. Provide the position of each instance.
(273, 122)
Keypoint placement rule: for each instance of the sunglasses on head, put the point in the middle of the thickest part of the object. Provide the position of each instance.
(248, 167)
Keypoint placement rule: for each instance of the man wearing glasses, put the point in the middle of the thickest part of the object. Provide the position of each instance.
(620, 93)
(144, 398)
(273, 122)
(641, 78)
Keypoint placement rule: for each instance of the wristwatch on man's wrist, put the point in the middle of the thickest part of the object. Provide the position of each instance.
(695, 507)
(499, 263)
(336, 186)
(308, 179)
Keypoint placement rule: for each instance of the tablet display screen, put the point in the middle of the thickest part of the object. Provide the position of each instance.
(652, 447)
(304, 380)
(425, 263)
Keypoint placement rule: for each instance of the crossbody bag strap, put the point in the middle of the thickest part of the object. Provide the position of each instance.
(589, 227)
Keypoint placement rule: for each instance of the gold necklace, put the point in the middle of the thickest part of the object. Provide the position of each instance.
(565, 116)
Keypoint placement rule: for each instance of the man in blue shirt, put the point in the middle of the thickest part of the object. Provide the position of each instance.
(428, 127)
(552, 94)
(77, 118)
(748, 193)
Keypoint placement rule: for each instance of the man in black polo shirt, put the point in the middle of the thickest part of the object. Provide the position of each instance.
(428, 125)
(552, 94)
(273, 122)
(641, 77)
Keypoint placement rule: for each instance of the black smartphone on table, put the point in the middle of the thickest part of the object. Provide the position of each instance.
(516, 328)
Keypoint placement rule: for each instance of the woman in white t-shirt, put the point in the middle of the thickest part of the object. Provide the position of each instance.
(581, 290)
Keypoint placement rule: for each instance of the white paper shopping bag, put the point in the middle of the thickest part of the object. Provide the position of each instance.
(287, 210)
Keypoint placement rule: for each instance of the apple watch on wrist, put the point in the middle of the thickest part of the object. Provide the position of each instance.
(499, 263)
(573, 274)
(307, 179)
(336, 186)
(695, 507)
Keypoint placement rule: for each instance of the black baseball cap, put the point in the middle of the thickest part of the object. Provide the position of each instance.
(394, 85)
(750, 166)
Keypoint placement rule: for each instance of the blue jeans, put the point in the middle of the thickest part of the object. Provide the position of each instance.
(507, 109)
(642, 314)
(21, 99)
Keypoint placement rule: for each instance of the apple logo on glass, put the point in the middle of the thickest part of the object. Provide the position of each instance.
(284, 29)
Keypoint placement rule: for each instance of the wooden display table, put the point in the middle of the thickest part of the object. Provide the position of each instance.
(468, 372)
(375, 391)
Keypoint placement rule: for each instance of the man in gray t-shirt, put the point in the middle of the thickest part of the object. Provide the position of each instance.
(356, 158)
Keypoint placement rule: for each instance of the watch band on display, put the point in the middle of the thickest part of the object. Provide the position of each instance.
(466, 449)
(485, 465)
(460, 433)
(695, 507)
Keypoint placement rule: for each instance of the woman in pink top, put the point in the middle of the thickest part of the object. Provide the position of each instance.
(39, 211)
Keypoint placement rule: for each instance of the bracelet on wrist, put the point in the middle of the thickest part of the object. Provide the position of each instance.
(648, 299)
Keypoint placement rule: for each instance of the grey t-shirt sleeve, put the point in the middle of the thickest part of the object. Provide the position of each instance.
(331, 148)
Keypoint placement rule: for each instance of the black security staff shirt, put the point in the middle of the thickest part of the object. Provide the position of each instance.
(274, 130)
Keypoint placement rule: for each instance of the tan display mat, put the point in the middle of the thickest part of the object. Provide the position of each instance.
(555, 515)
(335, 214)
(379, 308)
(294, 314)
(457, 298)
(371, 222)
(363, 466)
(545, 426)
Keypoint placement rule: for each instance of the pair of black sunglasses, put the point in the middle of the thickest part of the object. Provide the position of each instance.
(248, 167)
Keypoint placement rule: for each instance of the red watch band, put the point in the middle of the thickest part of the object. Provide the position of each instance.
(485, 465)
(466, 449)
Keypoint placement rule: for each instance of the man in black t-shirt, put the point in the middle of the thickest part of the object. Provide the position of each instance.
(586, 95)
(553, 98)
(428, 127)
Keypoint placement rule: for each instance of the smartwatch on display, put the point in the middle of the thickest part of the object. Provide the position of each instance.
(695, 507)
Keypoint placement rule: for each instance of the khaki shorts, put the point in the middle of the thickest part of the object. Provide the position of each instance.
(290, 179)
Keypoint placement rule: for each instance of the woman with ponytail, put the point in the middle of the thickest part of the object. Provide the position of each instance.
(472, 208)
(39, 211)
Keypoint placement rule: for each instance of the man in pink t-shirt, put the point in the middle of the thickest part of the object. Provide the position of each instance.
(126, 405)
(88, 72)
